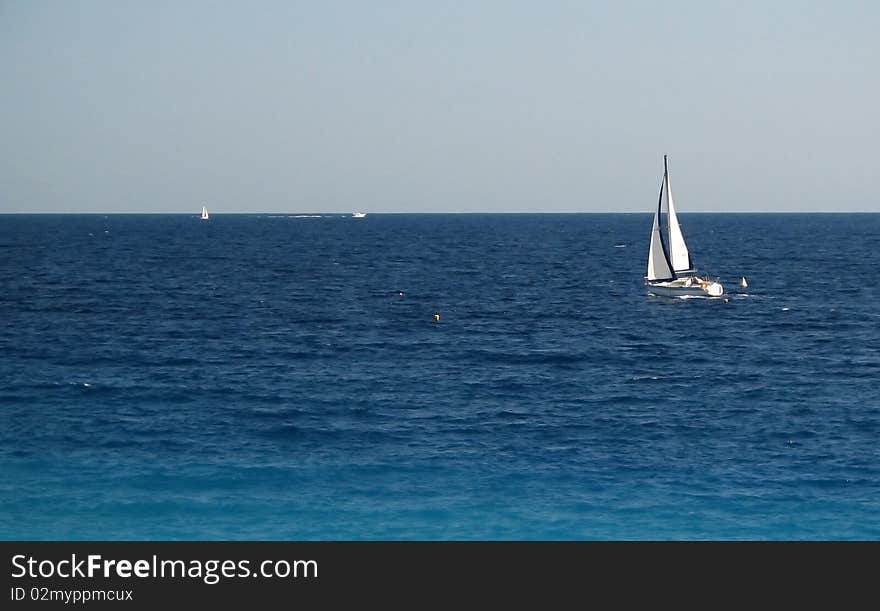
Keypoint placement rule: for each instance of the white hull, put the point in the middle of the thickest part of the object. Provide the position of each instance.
(359, 215)
(685, 287)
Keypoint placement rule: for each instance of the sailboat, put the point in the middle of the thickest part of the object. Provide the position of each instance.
(670, 270)
(204, 213)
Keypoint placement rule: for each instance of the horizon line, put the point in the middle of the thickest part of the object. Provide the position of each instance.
(338, 213)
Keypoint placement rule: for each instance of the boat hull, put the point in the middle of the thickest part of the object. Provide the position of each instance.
(685, 287)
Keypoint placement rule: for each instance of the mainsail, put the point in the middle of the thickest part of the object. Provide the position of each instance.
(678, 250)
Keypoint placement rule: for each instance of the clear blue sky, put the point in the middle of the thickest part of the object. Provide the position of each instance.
(458, 106)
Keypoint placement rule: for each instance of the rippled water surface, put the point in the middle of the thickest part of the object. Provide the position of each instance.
(284, 377)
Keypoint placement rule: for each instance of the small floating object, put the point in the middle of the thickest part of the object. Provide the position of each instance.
(743, 282)
(436, 318)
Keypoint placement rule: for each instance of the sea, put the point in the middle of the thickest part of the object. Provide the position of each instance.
(436, 377)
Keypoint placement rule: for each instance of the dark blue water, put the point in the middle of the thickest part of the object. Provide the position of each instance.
(272, 377)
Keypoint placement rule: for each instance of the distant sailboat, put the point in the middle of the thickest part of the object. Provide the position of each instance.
(204, 213)
(359, 215)
(743, 283)
(670, 270)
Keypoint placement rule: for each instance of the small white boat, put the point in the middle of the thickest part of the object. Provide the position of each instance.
(743, 282)
(204, 213)
(670, 272)
(359, 215)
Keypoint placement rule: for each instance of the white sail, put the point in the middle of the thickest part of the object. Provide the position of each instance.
(658, 264)
(679, 256)
(204, 213)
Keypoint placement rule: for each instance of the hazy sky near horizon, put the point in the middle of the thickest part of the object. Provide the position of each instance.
(459, 106)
